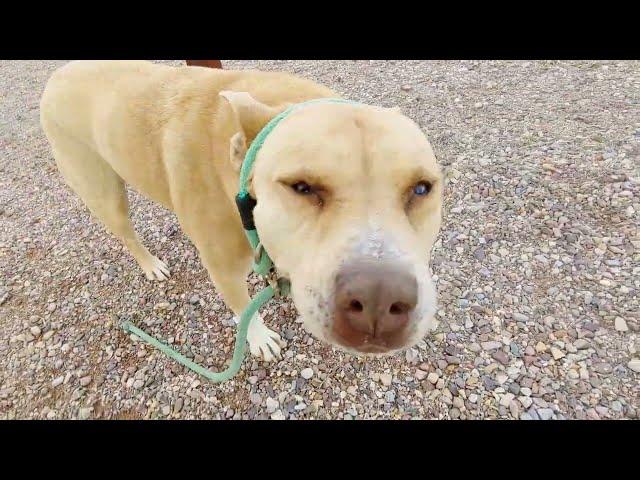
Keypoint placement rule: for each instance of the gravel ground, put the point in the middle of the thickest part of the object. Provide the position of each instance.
(537, 265)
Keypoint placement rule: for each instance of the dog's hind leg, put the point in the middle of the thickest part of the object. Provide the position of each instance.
(104, 193)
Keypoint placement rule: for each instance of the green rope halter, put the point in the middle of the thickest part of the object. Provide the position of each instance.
(262, 265)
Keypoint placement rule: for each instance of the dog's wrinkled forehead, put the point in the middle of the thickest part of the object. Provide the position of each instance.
(330, 135)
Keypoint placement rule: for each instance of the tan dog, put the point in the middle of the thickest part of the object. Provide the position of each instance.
(348, 196)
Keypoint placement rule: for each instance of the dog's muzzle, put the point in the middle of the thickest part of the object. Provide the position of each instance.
(373, 305)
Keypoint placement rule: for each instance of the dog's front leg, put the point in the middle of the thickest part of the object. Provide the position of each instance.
(212, 223)
(229, 275)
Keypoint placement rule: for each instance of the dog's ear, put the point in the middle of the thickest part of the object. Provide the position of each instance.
(237, 150)
(251, 114)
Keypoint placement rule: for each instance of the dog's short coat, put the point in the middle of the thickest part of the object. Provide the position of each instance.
(179, 135)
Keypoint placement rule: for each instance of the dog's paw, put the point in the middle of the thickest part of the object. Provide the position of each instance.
(155, 269)
(264, 343)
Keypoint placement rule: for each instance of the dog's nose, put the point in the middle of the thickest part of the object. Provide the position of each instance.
(373, 303)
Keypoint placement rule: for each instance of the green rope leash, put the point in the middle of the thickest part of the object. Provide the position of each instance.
(262, 265)
(238, 351)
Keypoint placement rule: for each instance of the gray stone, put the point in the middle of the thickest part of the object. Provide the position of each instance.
(452, 360)
(603, 368)
(491, 345)
(621, 325)
(489, 383)
(474, 347)
(501, 357)
(433, 377)
(272, 405)
(525, 401)
(545, 413)
(533, 414)
(634, 364)
(581, 344)
(278, 415)
(520, 317)
(506, 399)
(85, 413)
(385, 379)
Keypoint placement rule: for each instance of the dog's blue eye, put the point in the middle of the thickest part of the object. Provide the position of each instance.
(302, 188)
(422, 188)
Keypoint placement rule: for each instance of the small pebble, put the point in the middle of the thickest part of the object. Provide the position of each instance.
(385, 379)
(621, 325)
(85, 413)
(634, 364)
(506, 399)
(501, 357)
(278, 415)
(581, 344)
(272, 405)
(545, 413)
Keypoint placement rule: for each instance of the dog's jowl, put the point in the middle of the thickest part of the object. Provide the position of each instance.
(348, 196)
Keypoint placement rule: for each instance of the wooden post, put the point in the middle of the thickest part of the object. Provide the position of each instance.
(205, 63)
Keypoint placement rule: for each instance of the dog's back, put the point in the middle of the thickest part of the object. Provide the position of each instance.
(143, 95)
(163, 130)
(84, 94)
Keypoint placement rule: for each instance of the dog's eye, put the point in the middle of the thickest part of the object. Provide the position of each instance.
(303, 188)
(421, 189)
(315, 194)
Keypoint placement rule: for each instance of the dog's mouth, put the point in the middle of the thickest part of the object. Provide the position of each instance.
(367, 344)
(365, 349)
(373, 349)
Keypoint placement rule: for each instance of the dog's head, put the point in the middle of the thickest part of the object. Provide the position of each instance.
(348, 207)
